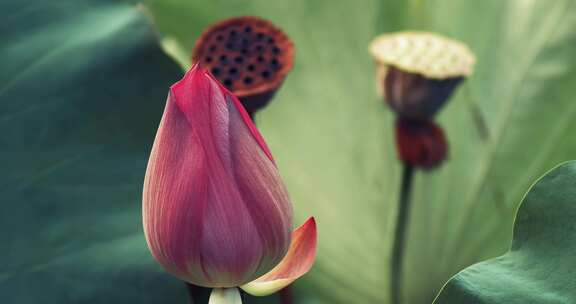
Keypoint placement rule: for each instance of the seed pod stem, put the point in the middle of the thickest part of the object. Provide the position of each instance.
(400, 234)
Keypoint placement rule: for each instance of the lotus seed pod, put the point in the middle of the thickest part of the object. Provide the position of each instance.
(417, 72)
(250, 56)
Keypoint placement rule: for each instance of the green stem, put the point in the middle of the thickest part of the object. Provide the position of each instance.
(225, 296)
(400, 234)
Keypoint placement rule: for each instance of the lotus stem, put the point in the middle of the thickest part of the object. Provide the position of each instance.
(400, 234)
(225, 296)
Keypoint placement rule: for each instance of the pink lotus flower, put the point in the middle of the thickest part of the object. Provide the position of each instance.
(215, 210)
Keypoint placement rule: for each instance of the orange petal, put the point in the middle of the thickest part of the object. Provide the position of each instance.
(296, 263)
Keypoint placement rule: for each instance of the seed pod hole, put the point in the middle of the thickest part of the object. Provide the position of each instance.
(274, 63)
(248, 80)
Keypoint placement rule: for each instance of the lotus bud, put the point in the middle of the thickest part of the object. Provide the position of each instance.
(420, 143)
(249, 55)
(215, 210)
(417, 72)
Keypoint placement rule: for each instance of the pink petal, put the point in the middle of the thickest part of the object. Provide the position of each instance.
(296, 263)
(215, 210)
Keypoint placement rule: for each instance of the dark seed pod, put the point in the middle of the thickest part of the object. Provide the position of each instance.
(249, 55)
(414, 96)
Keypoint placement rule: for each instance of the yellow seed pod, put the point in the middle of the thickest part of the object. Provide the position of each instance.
(417, 72)
(428, 54)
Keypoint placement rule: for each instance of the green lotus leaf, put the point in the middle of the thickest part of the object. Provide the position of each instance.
(539, 268)
(333, 137)
(82, 86)
(82, 89)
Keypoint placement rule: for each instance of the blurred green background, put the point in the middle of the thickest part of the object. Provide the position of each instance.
(83, 84)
